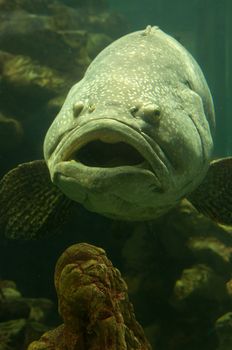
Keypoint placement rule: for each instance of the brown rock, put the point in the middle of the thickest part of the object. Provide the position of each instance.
(94, 305)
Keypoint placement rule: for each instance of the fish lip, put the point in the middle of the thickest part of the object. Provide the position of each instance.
(113, 131)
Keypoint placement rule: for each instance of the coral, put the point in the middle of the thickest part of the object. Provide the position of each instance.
(94, 305)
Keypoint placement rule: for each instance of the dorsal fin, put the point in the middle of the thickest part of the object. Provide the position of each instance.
(214, 195)
(30, 205)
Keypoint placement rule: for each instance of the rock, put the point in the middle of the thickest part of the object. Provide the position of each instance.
(8, 290)
(27, 85)
(65, 18)
(178, 271)
(223, 327)
(35, 36)
(79, 17)
(33, 6)
(11, 333)
(94, 305)
(96, 43)
(213, 251)
(34, 330)
(40, 309)
(112, 24)
(199, 282)
(96, 5)
(13, 309)
(11, 133)
(25, 76)
(22, 320)
(14, 306)
(54, 105)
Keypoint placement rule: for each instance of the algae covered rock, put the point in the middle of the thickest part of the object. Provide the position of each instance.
(97, 5)
(45, 47)
(28, 76)
(11, 133)
(223, 327)
(34, 6)
(178, 271)
(22, 320)
(36, 37)
(96, 43)
(197, 283)
(10, 333)
(94, 305)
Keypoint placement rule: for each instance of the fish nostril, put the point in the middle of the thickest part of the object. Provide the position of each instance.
(91, 108)
(152, 111)
(77, 108)
(134, 110)
(152, 114)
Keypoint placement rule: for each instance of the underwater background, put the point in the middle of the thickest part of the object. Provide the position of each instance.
(179, 268)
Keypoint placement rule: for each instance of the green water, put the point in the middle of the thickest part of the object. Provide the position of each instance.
(205, 28)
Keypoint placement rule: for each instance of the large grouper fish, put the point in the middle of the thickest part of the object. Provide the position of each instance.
(132, 139)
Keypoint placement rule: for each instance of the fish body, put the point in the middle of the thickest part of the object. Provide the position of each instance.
(134, 136)
(132, 139)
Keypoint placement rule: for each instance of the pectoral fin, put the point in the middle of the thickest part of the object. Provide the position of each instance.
(30, 205)
(214, 195)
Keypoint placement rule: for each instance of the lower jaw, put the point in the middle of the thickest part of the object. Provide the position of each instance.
(131, 185)
(82, 173)
(108, 201)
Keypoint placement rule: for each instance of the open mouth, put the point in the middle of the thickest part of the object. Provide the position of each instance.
(98, 153)
(108, 145)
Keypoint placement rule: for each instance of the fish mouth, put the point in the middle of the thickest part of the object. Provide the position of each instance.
(112, 145)
(98, 153)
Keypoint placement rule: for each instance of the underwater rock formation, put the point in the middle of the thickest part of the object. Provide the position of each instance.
(35, 37)
(22, 320)
(224, 331)
(33, 6)
(59, 36)
(28, 81)
(94, 305)
(178, 271)
(46, 46)
(11, 133)
(178, 268)
(43, 6)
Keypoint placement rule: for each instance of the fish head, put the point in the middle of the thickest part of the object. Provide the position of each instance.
(127, 162)
(134, 135)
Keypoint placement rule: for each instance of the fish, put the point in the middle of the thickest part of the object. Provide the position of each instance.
(132, 139)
